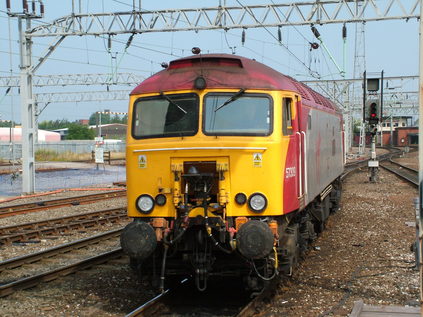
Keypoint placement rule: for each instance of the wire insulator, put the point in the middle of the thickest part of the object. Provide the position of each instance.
(25, 6)
(128, 43)
(315, 32)
(243, 37)
(42, 8)
(196, 50)
(279, 34)
(33, 6)
(109, 43)
(314, 45)
(8, 5)
(344, 32)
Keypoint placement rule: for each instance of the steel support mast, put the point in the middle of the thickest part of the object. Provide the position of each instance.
(27, 105)
(419, 215)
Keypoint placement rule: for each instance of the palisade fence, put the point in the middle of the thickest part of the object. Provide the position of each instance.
(77, 147)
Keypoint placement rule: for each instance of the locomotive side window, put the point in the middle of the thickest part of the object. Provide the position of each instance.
(165, 116)
(287, 116)
(237, 114)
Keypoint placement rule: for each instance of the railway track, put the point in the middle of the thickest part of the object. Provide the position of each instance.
(177, 300)
(57, 226)
(144, 310)
(169, 300)
(151, 307)
(409, 174)
(31, 281)
(8, 211)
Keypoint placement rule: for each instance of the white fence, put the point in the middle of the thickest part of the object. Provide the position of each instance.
(9, 151)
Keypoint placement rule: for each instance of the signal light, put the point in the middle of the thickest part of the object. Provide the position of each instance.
(373, 111)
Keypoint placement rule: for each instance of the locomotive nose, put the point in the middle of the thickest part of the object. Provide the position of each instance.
(138, 240)
(255, 239)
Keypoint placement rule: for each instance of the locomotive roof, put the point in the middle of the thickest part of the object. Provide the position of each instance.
(227, 71)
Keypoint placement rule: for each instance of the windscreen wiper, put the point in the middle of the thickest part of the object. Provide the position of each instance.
(231, 99)
(172, 102)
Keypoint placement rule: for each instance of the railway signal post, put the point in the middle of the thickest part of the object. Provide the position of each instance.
(372, 114)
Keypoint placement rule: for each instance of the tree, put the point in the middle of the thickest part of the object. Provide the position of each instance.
(79, 132)
(5, 124)
(54, 124)
(356, 125)
(95, 118)
(115, 119)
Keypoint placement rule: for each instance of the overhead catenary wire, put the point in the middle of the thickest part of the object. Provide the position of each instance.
(292, 25)
(100, 51)
(312, 73)
(79, 62)
(225, 31)
(130, 5)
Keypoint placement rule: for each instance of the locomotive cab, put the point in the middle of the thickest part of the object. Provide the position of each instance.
(217, 170)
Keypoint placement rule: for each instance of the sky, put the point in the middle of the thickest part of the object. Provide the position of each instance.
(391, 46)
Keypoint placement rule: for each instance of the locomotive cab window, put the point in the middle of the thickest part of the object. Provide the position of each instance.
(165, 116)
(237, 113)
(287, 116)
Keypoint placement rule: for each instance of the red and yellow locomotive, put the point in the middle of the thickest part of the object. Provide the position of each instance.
(232, 168)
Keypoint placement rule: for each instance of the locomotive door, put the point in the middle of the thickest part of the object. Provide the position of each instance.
(294, 166)
(302, 158)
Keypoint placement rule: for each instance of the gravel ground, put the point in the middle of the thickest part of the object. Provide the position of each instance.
(363, 254)
(409, 159)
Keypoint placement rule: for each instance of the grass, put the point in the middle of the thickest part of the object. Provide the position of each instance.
(50, 155)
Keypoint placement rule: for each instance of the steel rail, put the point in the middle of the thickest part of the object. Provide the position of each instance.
(75, 245)
(353, 166)
(251, 308)
(408, 174)
(404, 166)
(142, 310)
(8, 211)
(34, 280)
(33, 230)
(147, 308)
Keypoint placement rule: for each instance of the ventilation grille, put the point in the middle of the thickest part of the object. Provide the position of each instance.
(302, 89)
(206, 61)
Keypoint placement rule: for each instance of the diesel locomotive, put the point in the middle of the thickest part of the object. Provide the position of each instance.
(232, 169)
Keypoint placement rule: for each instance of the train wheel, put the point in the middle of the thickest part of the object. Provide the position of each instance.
(290, 249)
(318, 216)
(308, 234)
(335, 196)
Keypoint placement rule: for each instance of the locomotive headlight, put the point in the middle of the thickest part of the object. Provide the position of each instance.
(240, 198)
(160, 199)
(257, 202)
(145, 203)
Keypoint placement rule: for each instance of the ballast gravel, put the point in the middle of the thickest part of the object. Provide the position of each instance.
(364, 253)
